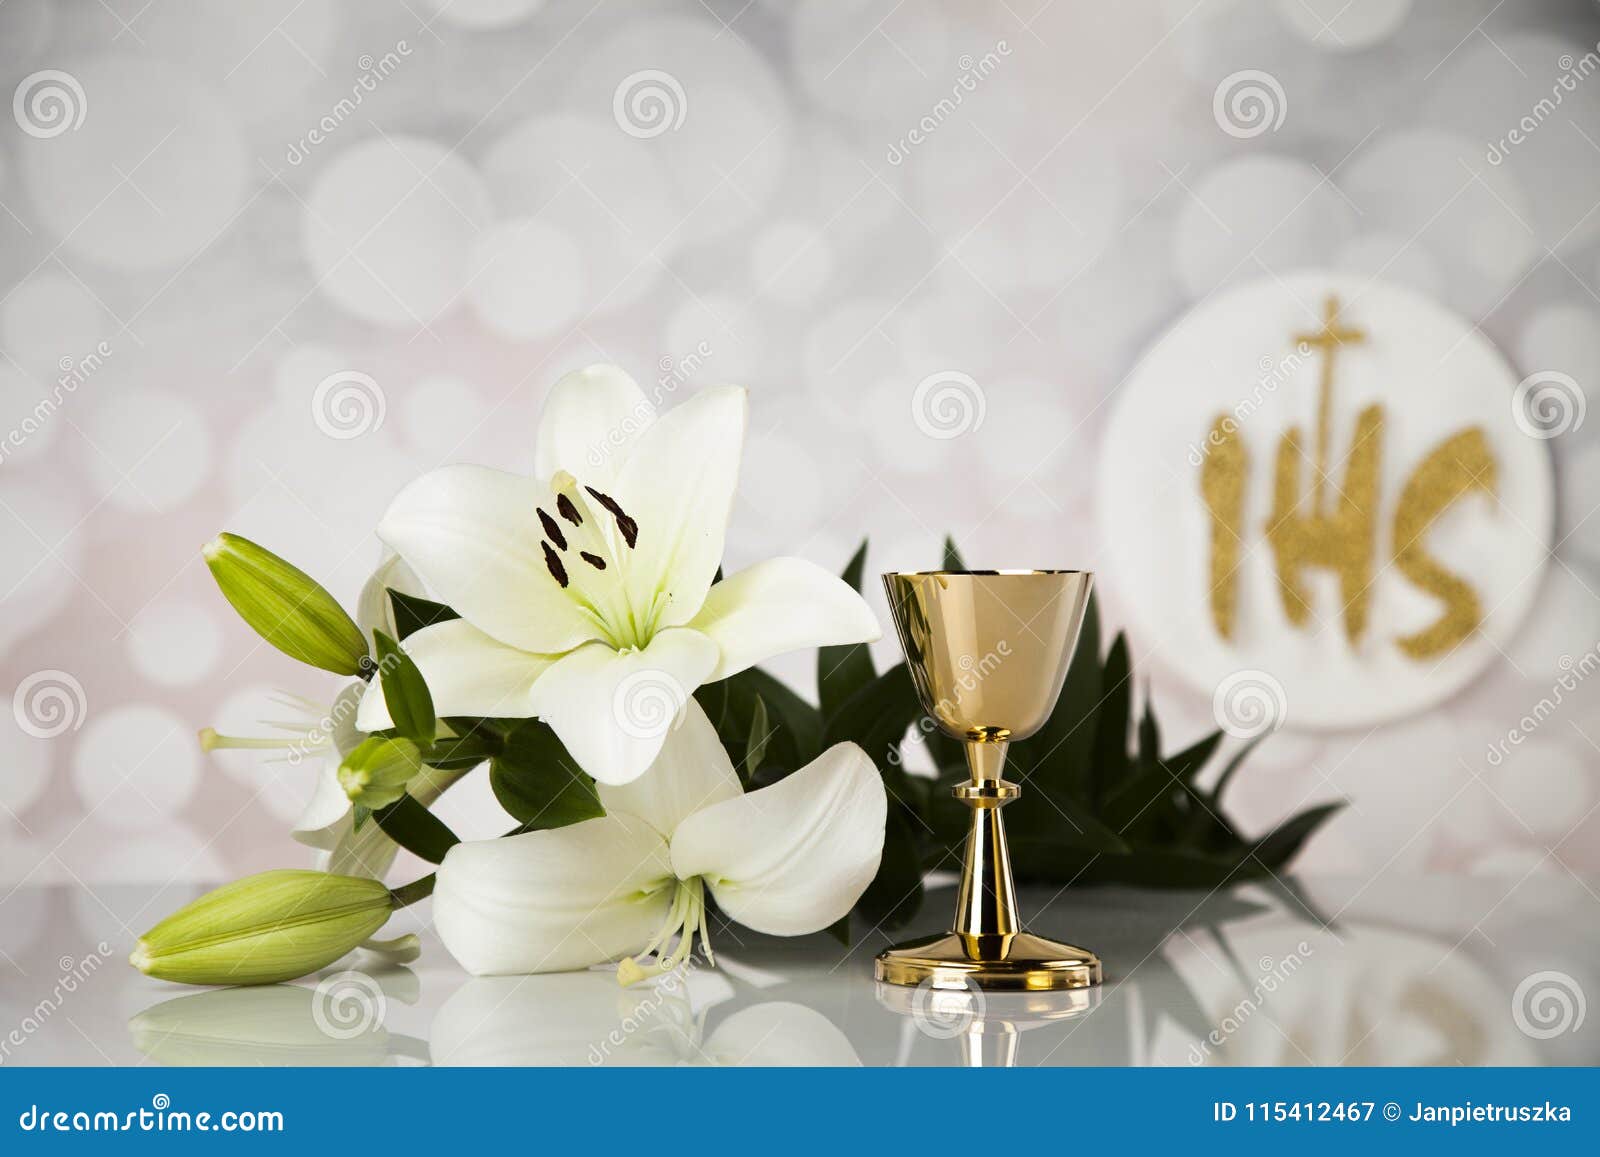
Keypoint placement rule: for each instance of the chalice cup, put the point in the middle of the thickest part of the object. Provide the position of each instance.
(988, 652)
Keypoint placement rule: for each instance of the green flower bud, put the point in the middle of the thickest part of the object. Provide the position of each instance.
(265, 928)
(376, 773)
(286, 606)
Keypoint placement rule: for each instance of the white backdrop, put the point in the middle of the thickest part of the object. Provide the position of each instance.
(931, 238)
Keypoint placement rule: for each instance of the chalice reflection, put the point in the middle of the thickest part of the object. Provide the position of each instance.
(988, 652)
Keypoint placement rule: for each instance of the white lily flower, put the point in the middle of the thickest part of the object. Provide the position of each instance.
(585, 592)
(323, 734)
(786, 860)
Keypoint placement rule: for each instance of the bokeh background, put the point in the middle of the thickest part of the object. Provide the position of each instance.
(265, 262)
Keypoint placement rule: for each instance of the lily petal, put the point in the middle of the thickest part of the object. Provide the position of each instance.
(475, 537)
(327, 812)
(693, 771)
(614, 709)
(777, 606)
(678, 484)
(794, 857)
(553, 900)
(374, 609)
(467, 672)
(592, 419)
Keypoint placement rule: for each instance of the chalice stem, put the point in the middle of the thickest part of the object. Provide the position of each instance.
(986, 907)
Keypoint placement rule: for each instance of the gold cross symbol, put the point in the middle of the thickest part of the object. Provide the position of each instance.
(1328, 339)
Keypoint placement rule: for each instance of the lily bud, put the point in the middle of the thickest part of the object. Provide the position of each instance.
(286, 606)
(263, 929)
(376, 773)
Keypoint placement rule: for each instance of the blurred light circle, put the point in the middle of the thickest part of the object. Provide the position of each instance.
(1563, 624)
(152, 176)
(847, 346)
(484, 13)
(1392, 257)
(1531, 85)
(780, 485)
(727, 157)
(872, 60)
(174, 643)
(50, 323)
(1543, 789)
(728, 328)
(302, 369)
(592, 184)
(149, 450)
(1564, 338)
(29, 421)
(389, 228)
(27, 760)
(1431, 190)
(135, 766)
(260, 51)
(43, 553)
(1339, 25)
(527, 279)
(1260, 214)
(441, 416)
(791, 262)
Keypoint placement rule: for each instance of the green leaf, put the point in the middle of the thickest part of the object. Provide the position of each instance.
(416, 829)
(411, 613)
(796, 725)
(1062, 753)
(1281, 845)
(844, 670)
(840, 930)
(538, 783)
(1149, 735)
(877, 716)
(462, 751)
(405, 693)
(1134, 802)
(952, 556)
(1111, 763)
(755, 748)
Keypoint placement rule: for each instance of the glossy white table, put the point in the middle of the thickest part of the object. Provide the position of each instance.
(1430, 970)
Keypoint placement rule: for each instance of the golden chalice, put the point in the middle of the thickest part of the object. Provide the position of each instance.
(988, 651)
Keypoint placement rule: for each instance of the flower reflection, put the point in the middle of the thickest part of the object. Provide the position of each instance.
(583, 1018)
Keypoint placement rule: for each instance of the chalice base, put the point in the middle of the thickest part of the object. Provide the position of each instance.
(997, 962)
